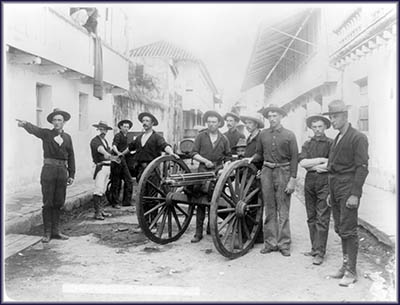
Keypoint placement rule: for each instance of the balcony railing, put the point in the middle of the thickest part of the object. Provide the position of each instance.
(356, 22)
(46, 33)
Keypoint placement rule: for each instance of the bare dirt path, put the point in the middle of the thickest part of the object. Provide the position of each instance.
(113, 261)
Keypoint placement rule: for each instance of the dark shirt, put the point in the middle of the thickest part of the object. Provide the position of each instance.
(120, 141)
(316, 147)
(233, 137)
(203, 146)
(350, 156)
(153, 148)
(94, 145)
(251, 145)
(278, 146)
(51, 149)
(251, 148)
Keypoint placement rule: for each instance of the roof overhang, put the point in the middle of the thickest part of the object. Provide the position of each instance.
(273, 42)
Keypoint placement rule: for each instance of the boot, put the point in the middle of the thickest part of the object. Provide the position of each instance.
(56, 232)
(102, 205)
(46, 214)
(348, 279)
(340, 273)
(128, 189)
(208, 231)
(350, 275)
(200, 215)
(97, 207)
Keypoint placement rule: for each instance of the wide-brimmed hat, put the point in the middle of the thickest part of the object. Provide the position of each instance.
(273, 108)
(102, 124)
(336, 106)
(256, 117)
(241, 143)
(317, 117)
(153, 118)
(213, 113)
(232, 114)
(120, 123)
(56, 111)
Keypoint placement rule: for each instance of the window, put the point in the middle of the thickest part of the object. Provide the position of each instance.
(83, 111)
(363, 109)
(363, 118)
(43, 103)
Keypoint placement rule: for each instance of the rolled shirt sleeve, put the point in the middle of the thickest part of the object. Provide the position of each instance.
(196, 146)
(304, 152)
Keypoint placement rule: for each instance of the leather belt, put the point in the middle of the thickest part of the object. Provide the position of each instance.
(275, 165)
(314, 171)
(104, 163)
(55, 162)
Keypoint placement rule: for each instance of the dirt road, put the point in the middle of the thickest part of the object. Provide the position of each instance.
(112, 260)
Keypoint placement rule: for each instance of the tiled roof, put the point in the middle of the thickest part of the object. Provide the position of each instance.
(163, 49)
(169, 50)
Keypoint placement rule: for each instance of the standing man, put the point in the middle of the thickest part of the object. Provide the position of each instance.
(233, 134)
(149, 145)
(210, 148)
(348, 169)
(101, 154)
(121, 171)
(58, 169)
(314, 158)
(277, 147)
(254, 123)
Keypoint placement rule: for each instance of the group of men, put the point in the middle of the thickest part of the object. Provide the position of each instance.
(336, 172)
(146, 147)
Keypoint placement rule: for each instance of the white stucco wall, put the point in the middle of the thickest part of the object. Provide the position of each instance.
(201, 96)
(23, 154)
(379, 67)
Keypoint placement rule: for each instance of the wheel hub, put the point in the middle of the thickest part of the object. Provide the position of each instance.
(241, 208)
(169, 199)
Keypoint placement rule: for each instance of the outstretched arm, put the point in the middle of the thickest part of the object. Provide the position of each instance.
(32, 129)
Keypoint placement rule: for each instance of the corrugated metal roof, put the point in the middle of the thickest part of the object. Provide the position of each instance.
(163, 49)
(269, 46)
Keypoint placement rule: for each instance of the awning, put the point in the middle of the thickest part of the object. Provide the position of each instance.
(274, 42)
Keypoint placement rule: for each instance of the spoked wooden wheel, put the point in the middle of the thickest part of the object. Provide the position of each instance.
(236, 209)
(108, 193)
(162, 219)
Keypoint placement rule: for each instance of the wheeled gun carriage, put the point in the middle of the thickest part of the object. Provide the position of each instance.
(169, 192)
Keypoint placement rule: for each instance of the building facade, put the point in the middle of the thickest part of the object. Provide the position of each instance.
(320, 54)
(177, 83)
(49, 63)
